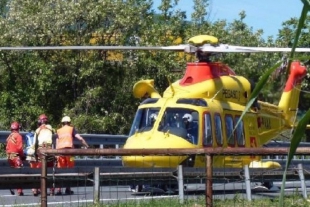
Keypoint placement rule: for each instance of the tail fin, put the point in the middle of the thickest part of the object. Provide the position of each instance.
(290, 96)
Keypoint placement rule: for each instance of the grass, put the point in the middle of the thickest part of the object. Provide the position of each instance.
(199, 201)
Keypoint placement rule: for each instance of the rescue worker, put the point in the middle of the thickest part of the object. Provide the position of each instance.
(64, 140)
(42, 140)
(14, 150)
(187, 123)
(152, 119)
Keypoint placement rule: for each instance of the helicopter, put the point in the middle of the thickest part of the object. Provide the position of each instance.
(201, 110)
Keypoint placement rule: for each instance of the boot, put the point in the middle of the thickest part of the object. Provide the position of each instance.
(68, 191)
(58, 191)
(36, 192)
(20, 192)
(52, 191)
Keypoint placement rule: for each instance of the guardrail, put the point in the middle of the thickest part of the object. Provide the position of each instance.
(91, 139)
(109, 139)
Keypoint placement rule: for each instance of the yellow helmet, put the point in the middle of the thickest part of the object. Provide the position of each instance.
(66, 119)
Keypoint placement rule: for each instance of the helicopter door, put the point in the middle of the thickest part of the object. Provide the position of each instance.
(207, 134)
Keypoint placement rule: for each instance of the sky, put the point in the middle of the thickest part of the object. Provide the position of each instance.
(260, 14)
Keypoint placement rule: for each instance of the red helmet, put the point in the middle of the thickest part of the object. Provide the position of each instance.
(43, 117)
(15, 125)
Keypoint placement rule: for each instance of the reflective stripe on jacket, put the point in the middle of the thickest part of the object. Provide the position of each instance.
(14, 144)
(65, 137)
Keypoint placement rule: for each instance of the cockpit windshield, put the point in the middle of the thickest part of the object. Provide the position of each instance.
(144, 120)
(182, 122)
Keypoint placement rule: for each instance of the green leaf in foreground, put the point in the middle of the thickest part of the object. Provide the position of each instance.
(298, 133)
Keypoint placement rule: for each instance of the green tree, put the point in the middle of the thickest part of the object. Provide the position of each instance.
(87, 85)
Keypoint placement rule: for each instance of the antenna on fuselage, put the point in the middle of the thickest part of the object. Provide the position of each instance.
(216, 94)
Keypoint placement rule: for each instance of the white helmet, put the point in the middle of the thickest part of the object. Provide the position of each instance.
(153, 117)
(188, 117)
(66, 119)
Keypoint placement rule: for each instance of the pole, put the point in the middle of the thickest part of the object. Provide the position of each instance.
(181, 184)
(247, 182)
(209, 173)
(43, 181)
(96, 186)
(302, 181)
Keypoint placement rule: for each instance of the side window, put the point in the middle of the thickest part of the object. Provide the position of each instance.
(239, 132)
(229, 124)
(218, 129)
(207, 139)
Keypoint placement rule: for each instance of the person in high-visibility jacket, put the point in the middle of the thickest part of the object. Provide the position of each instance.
(14, 150)
(64, 140)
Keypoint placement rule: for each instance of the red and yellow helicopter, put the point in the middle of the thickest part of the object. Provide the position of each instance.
(201, 110)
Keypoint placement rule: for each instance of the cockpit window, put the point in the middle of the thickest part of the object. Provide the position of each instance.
(181, 122)
(144, 120)
(149, 101)
(192, 101)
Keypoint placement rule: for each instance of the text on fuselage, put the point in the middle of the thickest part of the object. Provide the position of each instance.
(228, 93)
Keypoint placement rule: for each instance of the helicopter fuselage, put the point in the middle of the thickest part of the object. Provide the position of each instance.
(213, 98)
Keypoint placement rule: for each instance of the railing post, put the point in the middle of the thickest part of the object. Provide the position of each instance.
(96, 185)
(101, 147)
(247, 182)
(181, 184)
(302, 181)
(43, 181)
(209, 174)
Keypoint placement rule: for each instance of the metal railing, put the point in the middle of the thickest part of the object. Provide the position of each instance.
(209, 153)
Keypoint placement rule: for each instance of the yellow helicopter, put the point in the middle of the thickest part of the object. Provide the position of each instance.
(201, 110)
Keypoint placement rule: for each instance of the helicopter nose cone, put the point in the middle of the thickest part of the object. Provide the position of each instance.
(158, 140)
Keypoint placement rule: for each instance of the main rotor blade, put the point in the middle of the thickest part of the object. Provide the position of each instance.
(222, 48)
(231, 48)
(82, 48)
(279, 49)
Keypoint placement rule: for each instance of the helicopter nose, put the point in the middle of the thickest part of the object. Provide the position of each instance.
(156, 141)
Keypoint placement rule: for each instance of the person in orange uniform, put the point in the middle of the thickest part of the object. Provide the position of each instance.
(14, 150)
(64, 140)
(43, 140)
